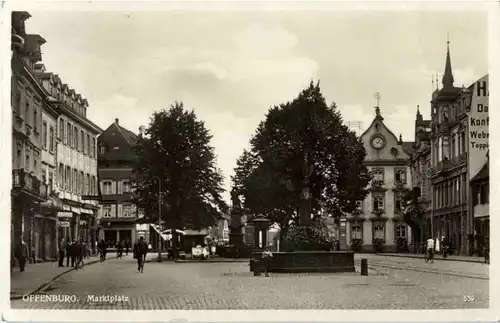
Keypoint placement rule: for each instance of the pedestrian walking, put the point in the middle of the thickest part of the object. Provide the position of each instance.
(119, 249)
(140, 251)
(74, 252)
(62, 249)
(127, 246)
(267, 257)
(67, 248)
(80, 252)
(102, 250)
(430, 250)
(21, 254)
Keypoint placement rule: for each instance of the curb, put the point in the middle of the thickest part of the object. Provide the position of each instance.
(48, 283)
(441, 259)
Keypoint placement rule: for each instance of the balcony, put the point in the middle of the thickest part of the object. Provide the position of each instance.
(29, 184)
(377, 184)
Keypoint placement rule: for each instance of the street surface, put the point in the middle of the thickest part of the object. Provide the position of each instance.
(393, 283)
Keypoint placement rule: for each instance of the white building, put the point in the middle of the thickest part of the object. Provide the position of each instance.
(75, 160)
(379, 218)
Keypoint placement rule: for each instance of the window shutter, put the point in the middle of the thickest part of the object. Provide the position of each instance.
(120, 187)
(120, 210)
(113, 210)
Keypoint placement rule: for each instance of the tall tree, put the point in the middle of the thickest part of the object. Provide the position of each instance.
(271, 183)
(175, 149)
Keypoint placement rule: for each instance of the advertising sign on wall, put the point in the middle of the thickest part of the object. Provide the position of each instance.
(479, 126)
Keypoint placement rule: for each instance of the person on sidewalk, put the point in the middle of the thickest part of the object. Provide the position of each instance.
(429, 255)
(74, 252)
(80, 251)
(21, 254)
(127, 246)
(267, 257)
(102, 250)
(62, 249)
(140, 251)
(68, 251)
(119, 249)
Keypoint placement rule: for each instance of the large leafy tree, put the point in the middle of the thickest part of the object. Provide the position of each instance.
(174, 150)
(269, 177)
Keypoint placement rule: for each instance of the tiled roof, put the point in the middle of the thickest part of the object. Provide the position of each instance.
(483, 174)
(119, 143)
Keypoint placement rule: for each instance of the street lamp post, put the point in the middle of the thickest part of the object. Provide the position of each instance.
(159, 218)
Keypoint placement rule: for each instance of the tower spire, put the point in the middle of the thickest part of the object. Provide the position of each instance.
(448, 75)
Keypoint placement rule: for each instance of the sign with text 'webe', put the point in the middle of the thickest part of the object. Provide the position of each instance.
(479, 126)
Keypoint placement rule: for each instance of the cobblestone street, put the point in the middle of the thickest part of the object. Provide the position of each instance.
(394, 283)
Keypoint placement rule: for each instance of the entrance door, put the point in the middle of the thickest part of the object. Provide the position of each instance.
(125, 235)
(110, 238)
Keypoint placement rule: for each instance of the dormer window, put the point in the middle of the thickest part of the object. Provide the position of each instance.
(102, 149)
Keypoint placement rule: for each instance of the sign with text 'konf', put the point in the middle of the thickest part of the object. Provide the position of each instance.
(479, 121)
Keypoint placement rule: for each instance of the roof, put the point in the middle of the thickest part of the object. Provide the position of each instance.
(118, 142)
(484, 173)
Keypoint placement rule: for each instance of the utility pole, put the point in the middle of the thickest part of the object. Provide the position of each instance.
(159, 218)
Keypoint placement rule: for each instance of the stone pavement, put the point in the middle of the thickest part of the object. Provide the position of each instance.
(437, 257)
(37, 275)
(195, 286)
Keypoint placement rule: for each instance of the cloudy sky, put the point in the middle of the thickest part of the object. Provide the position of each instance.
(230, 67)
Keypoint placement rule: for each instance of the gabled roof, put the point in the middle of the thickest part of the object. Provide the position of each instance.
(484, 173)
(118, 142)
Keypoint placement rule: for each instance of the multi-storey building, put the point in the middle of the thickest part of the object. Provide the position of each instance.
(116, 159)
(420, 168)
(28, 97)
(451, 218)
(76, 160)
(480, 192)
(379, 218)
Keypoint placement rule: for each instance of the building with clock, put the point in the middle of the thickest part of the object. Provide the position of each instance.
(378, 222)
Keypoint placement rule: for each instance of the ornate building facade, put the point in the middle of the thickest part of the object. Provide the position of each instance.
(378, 223)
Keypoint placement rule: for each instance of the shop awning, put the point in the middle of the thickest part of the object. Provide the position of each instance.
(87, 211)
(169, 231)
(64, 214)
(156, 228)
(75, 210)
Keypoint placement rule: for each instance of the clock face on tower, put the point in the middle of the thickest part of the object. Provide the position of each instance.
(378, 142)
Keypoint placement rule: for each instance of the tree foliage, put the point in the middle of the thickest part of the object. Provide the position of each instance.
(175, 148)
(270, 175)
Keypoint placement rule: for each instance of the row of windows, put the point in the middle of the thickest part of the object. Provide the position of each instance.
(77, 138)
(378, 230)
(378, 201)
(118, 210)
(27, 107)
(109, 187)
(456, 148)
(31, 160)
(482, 194)
(450, 193)
(399, 174)
(70, 100)
(48, 139)
(76, 181)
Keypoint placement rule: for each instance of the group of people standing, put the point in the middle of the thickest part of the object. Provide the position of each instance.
(73, 251)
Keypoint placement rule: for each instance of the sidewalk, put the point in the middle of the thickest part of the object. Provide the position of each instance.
(436, 257)
(37, 276)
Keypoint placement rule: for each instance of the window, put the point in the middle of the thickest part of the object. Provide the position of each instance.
(378, 174)
(36, 156)
(378, 201)
(126, 187)
(82, 141)
(75, 138)
(400, 175)
(107, 187)
(81, 183)
(51, 183)
(44, 135)
(93, 152)
(398, 202)
(93, 186)
(68, 134)
(60, 178)
(359, 205)
(74, 186)
(88, 144)
(67, 183)
(462, 142)
(356, 230)
(87, 185)
(400, 231)
(102, 150)
(484, 193)
(27, 110)
(51, 139)
(27, 163)
(35, 118)
(106, 211)
(127, 210)
(379, 230)
(61, 129)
